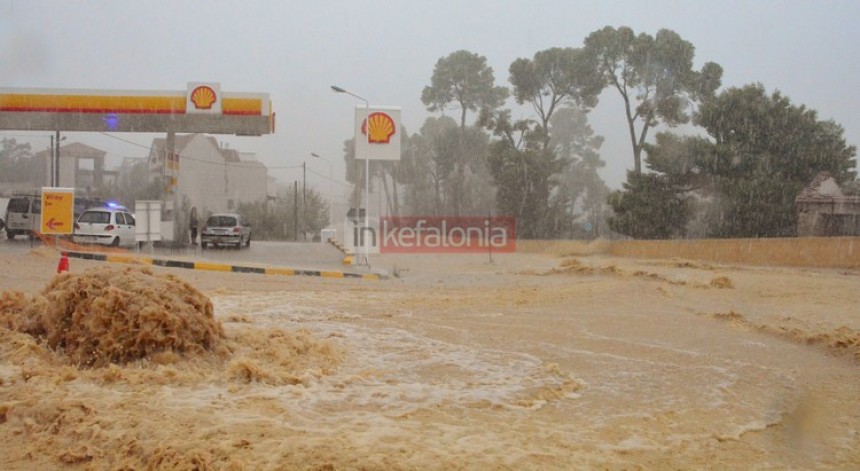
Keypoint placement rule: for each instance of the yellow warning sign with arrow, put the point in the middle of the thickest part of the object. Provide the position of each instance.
(58, 210)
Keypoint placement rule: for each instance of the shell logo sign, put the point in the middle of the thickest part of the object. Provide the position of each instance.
(203, 98)
(377, 133)
(382, 127)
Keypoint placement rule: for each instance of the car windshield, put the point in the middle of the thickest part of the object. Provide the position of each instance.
(95, 217)
(221, 221)
(18, 205)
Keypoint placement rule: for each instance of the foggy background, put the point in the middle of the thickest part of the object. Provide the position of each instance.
(386, 51)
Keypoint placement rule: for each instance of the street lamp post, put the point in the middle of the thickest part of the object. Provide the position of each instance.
(366, 168)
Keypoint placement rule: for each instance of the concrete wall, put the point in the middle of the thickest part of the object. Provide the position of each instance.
(821, 252)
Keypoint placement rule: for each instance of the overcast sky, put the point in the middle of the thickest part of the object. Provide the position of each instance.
(386, 50)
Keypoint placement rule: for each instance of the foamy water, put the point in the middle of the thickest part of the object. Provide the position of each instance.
(396, 372)
(624, 403)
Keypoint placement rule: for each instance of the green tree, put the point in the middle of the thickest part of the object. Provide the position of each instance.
(767, 150)
(580, 186)
(428, 164)
(648, 207)
(275, 219)
(540, 166)
(17, 163)
(761, 152)
(654, 76)
(429, 170)
(463, 78)
(526, 175)
(555, 77)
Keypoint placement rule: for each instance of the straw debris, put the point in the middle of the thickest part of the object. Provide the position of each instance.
(110, 315)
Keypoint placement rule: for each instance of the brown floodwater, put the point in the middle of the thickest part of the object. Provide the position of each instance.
(529, 362)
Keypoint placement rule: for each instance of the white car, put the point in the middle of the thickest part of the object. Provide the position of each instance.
(109, 225)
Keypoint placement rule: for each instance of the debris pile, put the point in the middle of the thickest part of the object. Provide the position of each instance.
(111, 315)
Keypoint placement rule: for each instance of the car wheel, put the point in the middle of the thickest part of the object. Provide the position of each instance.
(203, 245)
(10, 235)
(248, 242)
(115, 242)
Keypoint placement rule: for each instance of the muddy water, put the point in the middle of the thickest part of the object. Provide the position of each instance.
(523, 364)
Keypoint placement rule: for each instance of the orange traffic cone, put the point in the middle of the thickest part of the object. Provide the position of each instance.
(64, 263)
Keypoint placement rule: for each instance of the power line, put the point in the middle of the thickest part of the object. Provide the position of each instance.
(348, 185)
(125, 140)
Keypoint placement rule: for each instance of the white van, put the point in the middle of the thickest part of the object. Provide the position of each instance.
(3, 203)
(23, 215)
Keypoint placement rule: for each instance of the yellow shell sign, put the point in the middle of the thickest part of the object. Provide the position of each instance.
(377, 133)
(382, 127)
(203, 97)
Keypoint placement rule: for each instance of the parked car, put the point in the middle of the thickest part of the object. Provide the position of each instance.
(108, 225)
(225, 229)
(23, 213)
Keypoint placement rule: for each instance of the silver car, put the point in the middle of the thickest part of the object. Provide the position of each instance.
(225, 229)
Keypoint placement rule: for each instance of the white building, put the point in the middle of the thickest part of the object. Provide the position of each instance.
(209, 177)
(206, 176)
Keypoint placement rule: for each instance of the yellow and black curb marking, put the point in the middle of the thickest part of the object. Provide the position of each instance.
(123, 258)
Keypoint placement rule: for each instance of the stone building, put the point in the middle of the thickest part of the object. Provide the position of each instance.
(823, 210)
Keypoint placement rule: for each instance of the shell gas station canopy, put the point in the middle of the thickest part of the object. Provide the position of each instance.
(201, 108)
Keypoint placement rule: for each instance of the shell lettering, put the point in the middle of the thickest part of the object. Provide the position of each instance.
(203, 97)
(381, 128)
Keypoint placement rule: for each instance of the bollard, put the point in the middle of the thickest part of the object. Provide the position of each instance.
(64, 263)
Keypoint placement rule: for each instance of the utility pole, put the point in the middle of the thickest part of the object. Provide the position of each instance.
(296, 208)
(57, 167)
(51, 173)
(304, 195)
(328, 186)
